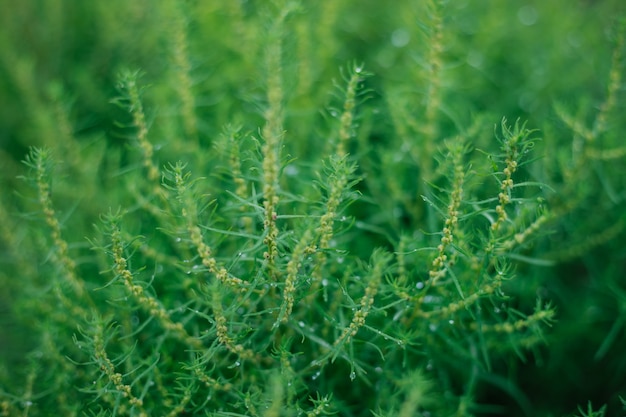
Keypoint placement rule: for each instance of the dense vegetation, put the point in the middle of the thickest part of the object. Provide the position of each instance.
(283, 208)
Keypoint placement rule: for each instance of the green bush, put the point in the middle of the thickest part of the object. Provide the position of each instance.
(285, 208)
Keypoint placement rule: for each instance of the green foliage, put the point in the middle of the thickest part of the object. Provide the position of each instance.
(590, 413)
(295, 208)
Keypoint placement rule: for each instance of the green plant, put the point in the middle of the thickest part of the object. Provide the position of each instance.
(240, 235)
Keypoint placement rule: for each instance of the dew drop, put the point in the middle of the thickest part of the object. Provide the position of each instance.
(527, 15)
(451, 321)
(316, 375)
(301, 323)
(432, 327)
(475, 58)
(430, 299)
(397, 316)
(419, 285)
(291, 170)
(324, 282)
(352, 376)
(400, 38)
(178, 239)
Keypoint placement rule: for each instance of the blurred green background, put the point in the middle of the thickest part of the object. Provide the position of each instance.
(59, 61)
